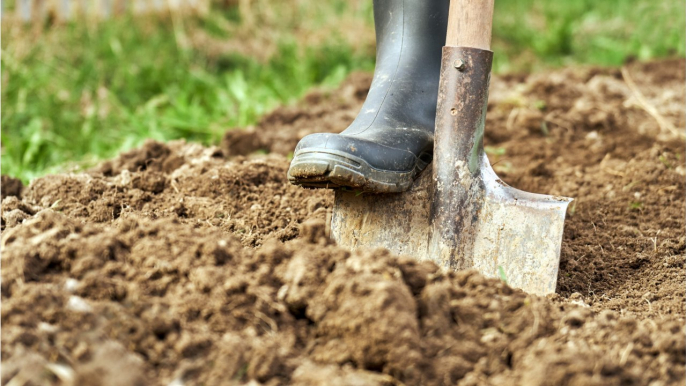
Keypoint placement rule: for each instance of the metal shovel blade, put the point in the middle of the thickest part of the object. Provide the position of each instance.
(458, 213)
(518, 236)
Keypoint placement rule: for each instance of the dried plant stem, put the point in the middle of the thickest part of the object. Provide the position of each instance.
(664, 124)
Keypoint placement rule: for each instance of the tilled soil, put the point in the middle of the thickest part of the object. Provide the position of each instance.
(176, 264)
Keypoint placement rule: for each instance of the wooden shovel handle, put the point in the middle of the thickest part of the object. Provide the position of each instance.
(470, 23)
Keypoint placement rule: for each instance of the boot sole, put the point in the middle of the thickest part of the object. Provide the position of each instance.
(324, 168)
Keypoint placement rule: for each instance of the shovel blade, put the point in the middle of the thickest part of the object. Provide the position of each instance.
(517, 236)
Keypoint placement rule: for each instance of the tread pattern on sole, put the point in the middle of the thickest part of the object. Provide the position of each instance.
(324, 168)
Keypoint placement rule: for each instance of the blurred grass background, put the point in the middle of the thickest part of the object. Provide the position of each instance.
(76, 92)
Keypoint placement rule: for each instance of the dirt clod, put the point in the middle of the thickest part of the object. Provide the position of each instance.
(11, 186)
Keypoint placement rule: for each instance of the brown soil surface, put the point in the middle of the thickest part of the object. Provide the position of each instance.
(176, 264)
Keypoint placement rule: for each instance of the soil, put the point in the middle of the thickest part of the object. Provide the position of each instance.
(177, 264)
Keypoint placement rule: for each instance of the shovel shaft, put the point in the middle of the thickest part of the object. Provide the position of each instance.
(458, 152)
(460, 119)
(470, 23)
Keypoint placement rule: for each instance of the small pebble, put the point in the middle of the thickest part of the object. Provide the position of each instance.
(46, 327)
(71, 284)
(78, 304)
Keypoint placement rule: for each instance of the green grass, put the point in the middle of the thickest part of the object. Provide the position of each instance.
(111, 88)
(77, 93)
(530, 35)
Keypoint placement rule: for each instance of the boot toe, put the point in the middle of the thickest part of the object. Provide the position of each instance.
(376, 155)
(334, 160)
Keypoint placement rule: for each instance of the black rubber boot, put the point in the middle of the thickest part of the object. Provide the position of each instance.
(391, 140)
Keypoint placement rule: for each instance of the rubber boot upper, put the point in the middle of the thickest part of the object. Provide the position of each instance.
(393, 132)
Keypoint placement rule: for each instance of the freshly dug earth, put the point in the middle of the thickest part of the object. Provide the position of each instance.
(176, 264)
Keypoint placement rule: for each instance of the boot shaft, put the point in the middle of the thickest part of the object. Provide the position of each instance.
(403, 94)
(392, 139)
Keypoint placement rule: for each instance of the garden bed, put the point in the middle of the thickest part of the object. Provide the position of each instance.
(181, 264)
